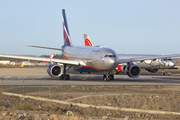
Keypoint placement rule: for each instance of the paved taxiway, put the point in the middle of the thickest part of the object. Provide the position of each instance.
(120, 80)
(36, 78)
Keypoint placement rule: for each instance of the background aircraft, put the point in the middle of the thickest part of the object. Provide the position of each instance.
(88, 59)
(150, 65)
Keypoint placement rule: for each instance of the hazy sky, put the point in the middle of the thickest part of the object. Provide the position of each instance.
(127, 26)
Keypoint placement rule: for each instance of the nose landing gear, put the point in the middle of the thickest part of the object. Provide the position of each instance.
(163, 72)
(107, 77)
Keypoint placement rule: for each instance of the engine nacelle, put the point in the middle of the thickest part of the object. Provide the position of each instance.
(152, 70)
(133, 70)
(54, 70)
(121, 68)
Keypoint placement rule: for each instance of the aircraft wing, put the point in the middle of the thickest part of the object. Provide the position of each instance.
(63, 61)
(127, 60)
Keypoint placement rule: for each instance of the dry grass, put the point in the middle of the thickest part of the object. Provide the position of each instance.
(24, 106)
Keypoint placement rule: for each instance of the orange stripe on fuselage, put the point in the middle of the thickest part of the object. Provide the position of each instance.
(65, 55)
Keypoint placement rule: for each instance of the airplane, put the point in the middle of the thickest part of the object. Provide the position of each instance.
(150, 65)
(87, 59)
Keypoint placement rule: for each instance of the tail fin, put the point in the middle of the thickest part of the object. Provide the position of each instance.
(52, 56)
(87, 40)
(67, 39)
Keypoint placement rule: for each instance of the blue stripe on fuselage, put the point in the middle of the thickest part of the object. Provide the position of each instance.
(84, 69)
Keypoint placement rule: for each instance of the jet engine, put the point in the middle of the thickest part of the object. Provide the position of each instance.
(152, 70)
(54, 70)
(121, 68)
(133, 70)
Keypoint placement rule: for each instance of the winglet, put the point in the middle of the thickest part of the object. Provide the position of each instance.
(52, 56)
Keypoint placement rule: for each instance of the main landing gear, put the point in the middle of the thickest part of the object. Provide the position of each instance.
(163, 73)
(65, 76)
(107, 77)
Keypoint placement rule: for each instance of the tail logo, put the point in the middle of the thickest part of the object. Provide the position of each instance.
(67, 39)
(52, 56)
(66, 36)
(88, 42)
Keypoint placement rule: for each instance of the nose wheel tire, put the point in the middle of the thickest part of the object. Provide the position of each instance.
(163, 74)
(107, 78)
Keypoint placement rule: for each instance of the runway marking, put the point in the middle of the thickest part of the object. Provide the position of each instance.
(100, 107)
(87, 76)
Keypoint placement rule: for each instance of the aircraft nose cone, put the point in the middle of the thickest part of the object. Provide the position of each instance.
(172, 64)
(113, 63)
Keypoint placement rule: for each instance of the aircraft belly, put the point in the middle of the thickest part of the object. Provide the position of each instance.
(84, 69)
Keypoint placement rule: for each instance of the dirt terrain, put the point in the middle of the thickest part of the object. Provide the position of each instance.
(112, 102)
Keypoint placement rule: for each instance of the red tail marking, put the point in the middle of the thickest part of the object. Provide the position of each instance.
(52, 56)
(88, 43)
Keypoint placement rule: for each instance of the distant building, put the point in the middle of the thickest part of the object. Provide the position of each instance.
(5, 62)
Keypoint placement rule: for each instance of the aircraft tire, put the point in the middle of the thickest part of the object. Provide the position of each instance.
(104, 78)
(67, 77)
(111, 77)
(61, 77)
(163, 74)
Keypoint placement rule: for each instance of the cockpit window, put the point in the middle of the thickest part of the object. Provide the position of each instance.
(170, 59)
(110, 56)
(166, 59)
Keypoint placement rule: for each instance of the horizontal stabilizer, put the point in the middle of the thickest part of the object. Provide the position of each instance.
(44, 47)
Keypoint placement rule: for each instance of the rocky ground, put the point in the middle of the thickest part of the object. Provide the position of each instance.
(143, 97)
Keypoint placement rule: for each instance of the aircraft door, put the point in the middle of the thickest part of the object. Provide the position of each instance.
(101, 57)
(155, 62)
